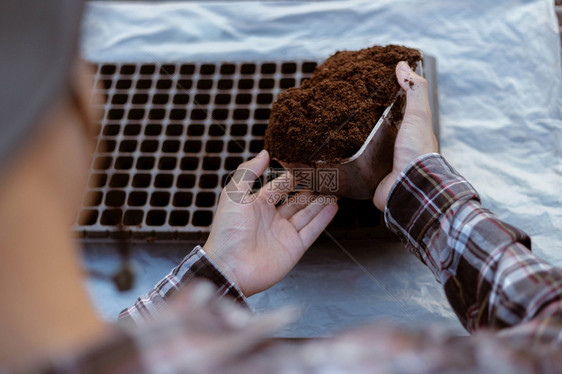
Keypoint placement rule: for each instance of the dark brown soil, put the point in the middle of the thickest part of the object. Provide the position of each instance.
(330, 115)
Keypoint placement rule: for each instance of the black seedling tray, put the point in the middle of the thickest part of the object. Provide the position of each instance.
(169, 137)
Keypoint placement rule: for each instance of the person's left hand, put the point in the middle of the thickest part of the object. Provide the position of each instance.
(256, 244)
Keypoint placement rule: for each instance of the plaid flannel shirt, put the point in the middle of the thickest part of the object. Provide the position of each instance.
(486, 267)
(195, 265)
(492, 280)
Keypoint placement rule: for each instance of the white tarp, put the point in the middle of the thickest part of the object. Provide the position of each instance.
(499, 103)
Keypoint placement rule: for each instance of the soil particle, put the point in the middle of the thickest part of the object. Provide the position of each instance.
(330, 115)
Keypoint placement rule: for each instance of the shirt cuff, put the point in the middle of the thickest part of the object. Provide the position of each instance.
(195, 265)
(422, 194)
(205, 268)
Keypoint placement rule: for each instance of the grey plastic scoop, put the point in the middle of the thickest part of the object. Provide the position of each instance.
(358, 176)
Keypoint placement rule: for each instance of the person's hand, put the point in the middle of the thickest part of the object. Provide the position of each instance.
(256, 243)
(415, 137)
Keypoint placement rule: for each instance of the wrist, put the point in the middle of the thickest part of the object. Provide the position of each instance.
(219, 263)
(209, 269)
(423, 194)
(387, 185)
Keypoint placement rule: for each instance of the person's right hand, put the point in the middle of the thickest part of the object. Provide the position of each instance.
(415, 137)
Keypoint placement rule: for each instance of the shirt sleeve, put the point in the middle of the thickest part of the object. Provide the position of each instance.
(485, 265)
(195, 265)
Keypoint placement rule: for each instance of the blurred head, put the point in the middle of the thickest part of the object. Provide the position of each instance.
(46, 135)
(46, 142)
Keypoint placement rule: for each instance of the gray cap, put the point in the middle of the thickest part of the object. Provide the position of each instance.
(38, 42)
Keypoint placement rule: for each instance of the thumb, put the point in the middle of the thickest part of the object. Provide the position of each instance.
(417, 110)
(382, 191)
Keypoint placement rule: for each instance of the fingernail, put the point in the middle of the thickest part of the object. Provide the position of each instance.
(261, 154)
(403, 65)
